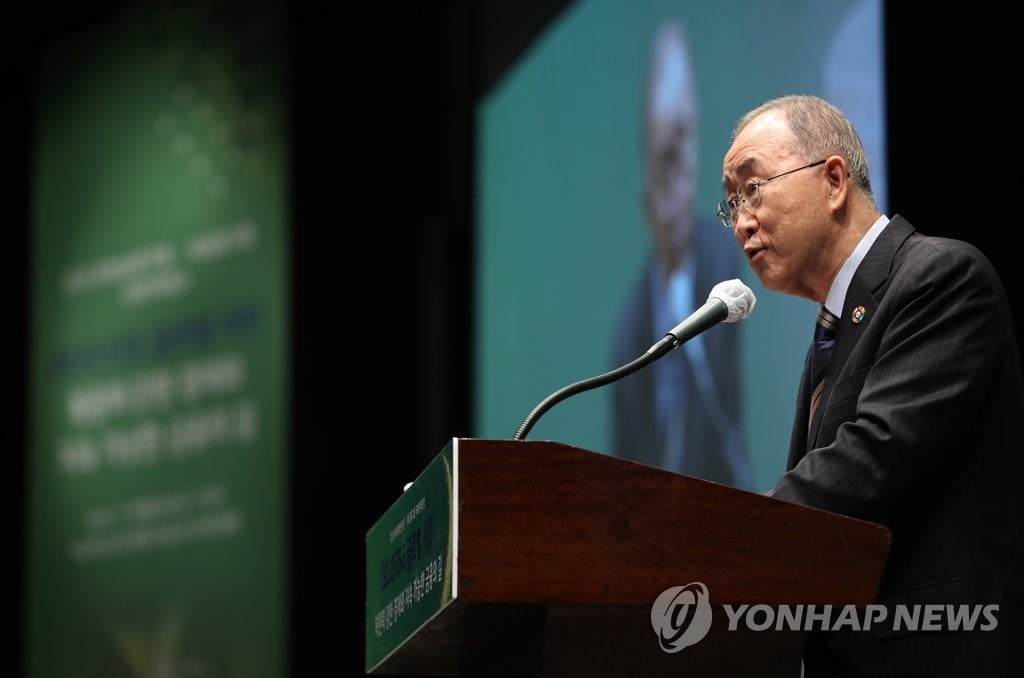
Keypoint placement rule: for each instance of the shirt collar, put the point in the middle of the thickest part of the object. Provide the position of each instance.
(837, 292)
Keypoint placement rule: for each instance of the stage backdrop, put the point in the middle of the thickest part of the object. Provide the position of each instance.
(562, 235)
(158, 347)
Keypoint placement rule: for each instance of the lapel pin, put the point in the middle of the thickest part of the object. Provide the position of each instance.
(857, 315)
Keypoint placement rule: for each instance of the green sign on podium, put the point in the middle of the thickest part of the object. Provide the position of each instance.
(409, 561)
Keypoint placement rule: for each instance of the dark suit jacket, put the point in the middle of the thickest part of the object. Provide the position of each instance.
(714, 446)
(921, 428)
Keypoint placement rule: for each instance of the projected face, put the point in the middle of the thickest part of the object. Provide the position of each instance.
(671, 146)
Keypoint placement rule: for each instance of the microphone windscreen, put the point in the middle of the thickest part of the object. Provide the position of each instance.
(736, 296)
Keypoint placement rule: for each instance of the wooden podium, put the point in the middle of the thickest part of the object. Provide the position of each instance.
(534, 558)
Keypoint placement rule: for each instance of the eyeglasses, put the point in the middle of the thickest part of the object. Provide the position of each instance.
(749, 194)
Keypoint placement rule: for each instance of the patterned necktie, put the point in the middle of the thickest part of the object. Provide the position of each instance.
(821, 351)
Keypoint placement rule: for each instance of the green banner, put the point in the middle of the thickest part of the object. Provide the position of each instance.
(409, 560)
(159, 377)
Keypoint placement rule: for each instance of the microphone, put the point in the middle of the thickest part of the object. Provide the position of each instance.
(729, 301)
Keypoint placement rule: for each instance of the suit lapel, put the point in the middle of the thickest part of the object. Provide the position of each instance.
(798, 439)
(867, 288)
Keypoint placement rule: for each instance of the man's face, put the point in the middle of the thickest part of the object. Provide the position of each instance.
(787, 238)
(671, 177)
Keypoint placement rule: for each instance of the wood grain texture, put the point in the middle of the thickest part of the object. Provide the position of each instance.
(546, 522)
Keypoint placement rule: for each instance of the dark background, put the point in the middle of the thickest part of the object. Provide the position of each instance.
(381, 110)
